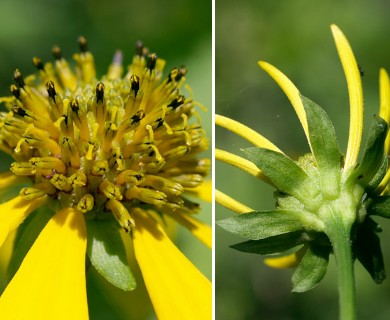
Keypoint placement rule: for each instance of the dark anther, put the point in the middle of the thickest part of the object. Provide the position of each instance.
(134, 80)
(38, 63)
(74, 104)
(138, 177)
(139, 48)
(66, 119)
(361, 70)
(152, 153)
(51, 91)
(360, 177)
(56, 51)
(138, 116)
(99, 92)
(160, 122)
(82, 44)
(18, 110)
(15, 91)
(177, 102)
(181, 73)
(151, 61)
(18, 78)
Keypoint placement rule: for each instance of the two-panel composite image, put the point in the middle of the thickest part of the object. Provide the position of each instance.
(194, 160)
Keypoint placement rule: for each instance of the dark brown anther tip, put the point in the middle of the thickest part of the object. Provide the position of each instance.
(177, 102)
(74, 104)
(38, 63)
(134, 81)
(152, 58)
(14, 91)
(51, 91)
(18, 78)
(181, 73)
(99, 92)
(57, 53)
(82, 44)
(18, 111)
(138, 116)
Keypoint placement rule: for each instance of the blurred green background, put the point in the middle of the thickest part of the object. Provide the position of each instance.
(178, 31)
(295, 37)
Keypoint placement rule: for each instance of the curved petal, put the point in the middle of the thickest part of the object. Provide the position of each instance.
(50, 283)
(230, 203)
(247, 133)
(291, 92)
(178, 290)
(13, 213)
(384, 110)
(355, 90)
(240, 163)
(199, 229)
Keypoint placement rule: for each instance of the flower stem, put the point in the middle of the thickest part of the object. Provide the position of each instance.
(339, 235)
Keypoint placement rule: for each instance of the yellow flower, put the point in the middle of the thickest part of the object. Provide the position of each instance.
(120, 148)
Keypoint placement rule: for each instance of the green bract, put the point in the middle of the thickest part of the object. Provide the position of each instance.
(318, 202)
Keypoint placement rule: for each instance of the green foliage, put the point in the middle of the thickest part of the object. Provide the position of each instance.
(107, 253)
(311, 269)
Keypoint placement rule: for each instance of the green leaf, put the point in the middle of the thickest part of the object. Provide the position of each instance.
(324, 145)
(275, 244)
(311, 269)
(264, 224)
(27, 233)
(284, 173)
(368, 251)
(372, 160)
(380, 206)
(107, 253)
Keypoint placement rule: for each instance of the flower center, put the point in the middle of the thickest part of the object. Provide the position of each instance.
(116, 143)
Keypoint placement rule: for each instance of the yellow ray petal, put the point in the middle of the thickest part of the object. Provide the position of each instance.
(230, 203)
(291, 92)
(13, 213)
(247, 133)
(199, 229)
(204, 191)
(240, 163)
(178, 290)
(289, 261)
(355, 91)
(384, 110)
(50, 283)
(8, 179)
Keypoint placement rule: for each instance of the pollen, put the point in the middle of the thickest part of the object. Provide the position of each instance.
(128, 139)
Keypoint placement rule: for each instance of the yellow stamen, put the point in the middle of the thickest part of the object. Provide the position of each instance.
(230, 203)
(355, 90)
(245, 132)
(121, 214)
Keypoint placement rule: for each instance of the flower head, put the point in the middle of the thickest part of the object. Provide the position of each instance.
(325, 200)
(122, 147)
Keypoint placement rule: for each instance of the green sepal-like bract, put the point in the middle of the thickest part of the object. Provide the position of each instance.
(284, 173)
(325, 148)
(311, 269)
(264, 224)
(373, 156)
(107, 253)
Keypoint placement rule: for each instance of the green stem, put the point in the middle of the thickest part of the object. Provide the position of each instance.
(340, 238)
